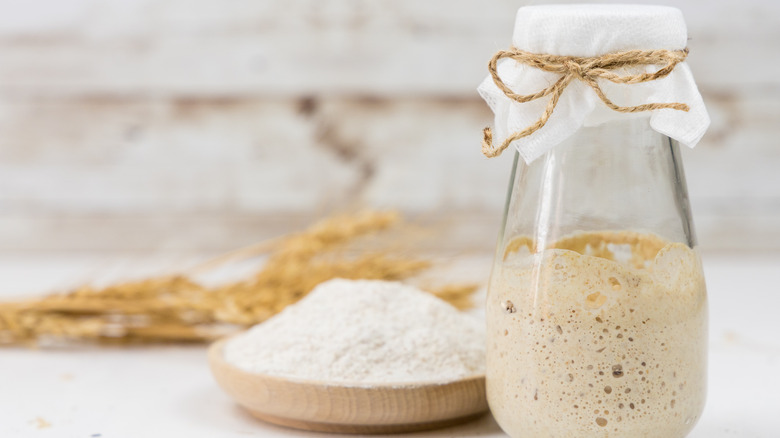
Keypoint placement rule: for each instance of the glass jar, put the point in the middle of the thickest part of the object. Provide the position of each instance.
(596, 308)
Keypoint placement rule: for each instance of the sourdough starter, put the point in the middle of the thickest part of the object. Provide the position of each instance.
(581, 345)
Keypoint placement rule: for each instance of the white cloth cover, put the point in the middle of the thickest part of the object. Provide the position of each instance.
(592, 30)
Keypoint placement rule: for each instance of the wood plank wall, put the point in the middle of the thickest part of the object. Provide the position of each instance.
(201, 125)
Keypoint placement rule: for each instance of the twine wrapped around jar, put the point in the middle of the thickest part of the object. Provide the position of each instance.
(588, 70)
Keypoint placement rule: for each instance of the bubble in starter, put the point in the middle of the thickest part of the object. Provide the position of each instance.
(595, 300)
(508, 306)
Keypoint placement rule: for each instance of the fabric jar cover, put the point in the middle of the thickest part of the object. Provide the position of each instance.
(588, 31)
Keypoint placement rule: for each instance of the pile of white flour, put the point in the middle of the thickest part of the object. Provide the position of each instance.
(364, 331)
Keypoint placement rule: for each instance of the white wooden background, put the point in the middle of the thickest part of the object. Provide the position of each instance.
(201, 125)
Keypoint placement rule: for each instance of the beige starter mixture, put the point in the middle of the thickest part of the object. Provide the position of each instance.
(585, 343)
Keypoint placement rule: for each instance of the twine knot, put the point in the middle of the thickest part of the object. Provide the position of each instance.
(573, 67)
(588, 70)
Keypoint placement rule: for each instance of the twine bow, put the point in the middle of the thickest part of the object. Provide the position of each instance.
(587, 70)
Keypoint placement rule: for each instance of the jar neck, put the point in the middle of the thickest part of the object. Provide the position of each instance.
(620, 175)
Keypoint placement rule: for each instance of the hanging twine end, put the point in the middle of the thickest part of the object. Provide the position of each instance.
(487, 143)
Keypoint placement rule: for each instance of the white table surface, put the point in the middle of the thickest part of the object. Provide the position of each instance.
(168, 391)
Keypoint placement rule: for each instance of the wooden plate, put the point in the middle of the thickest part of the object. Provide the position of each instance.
(319, 406)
